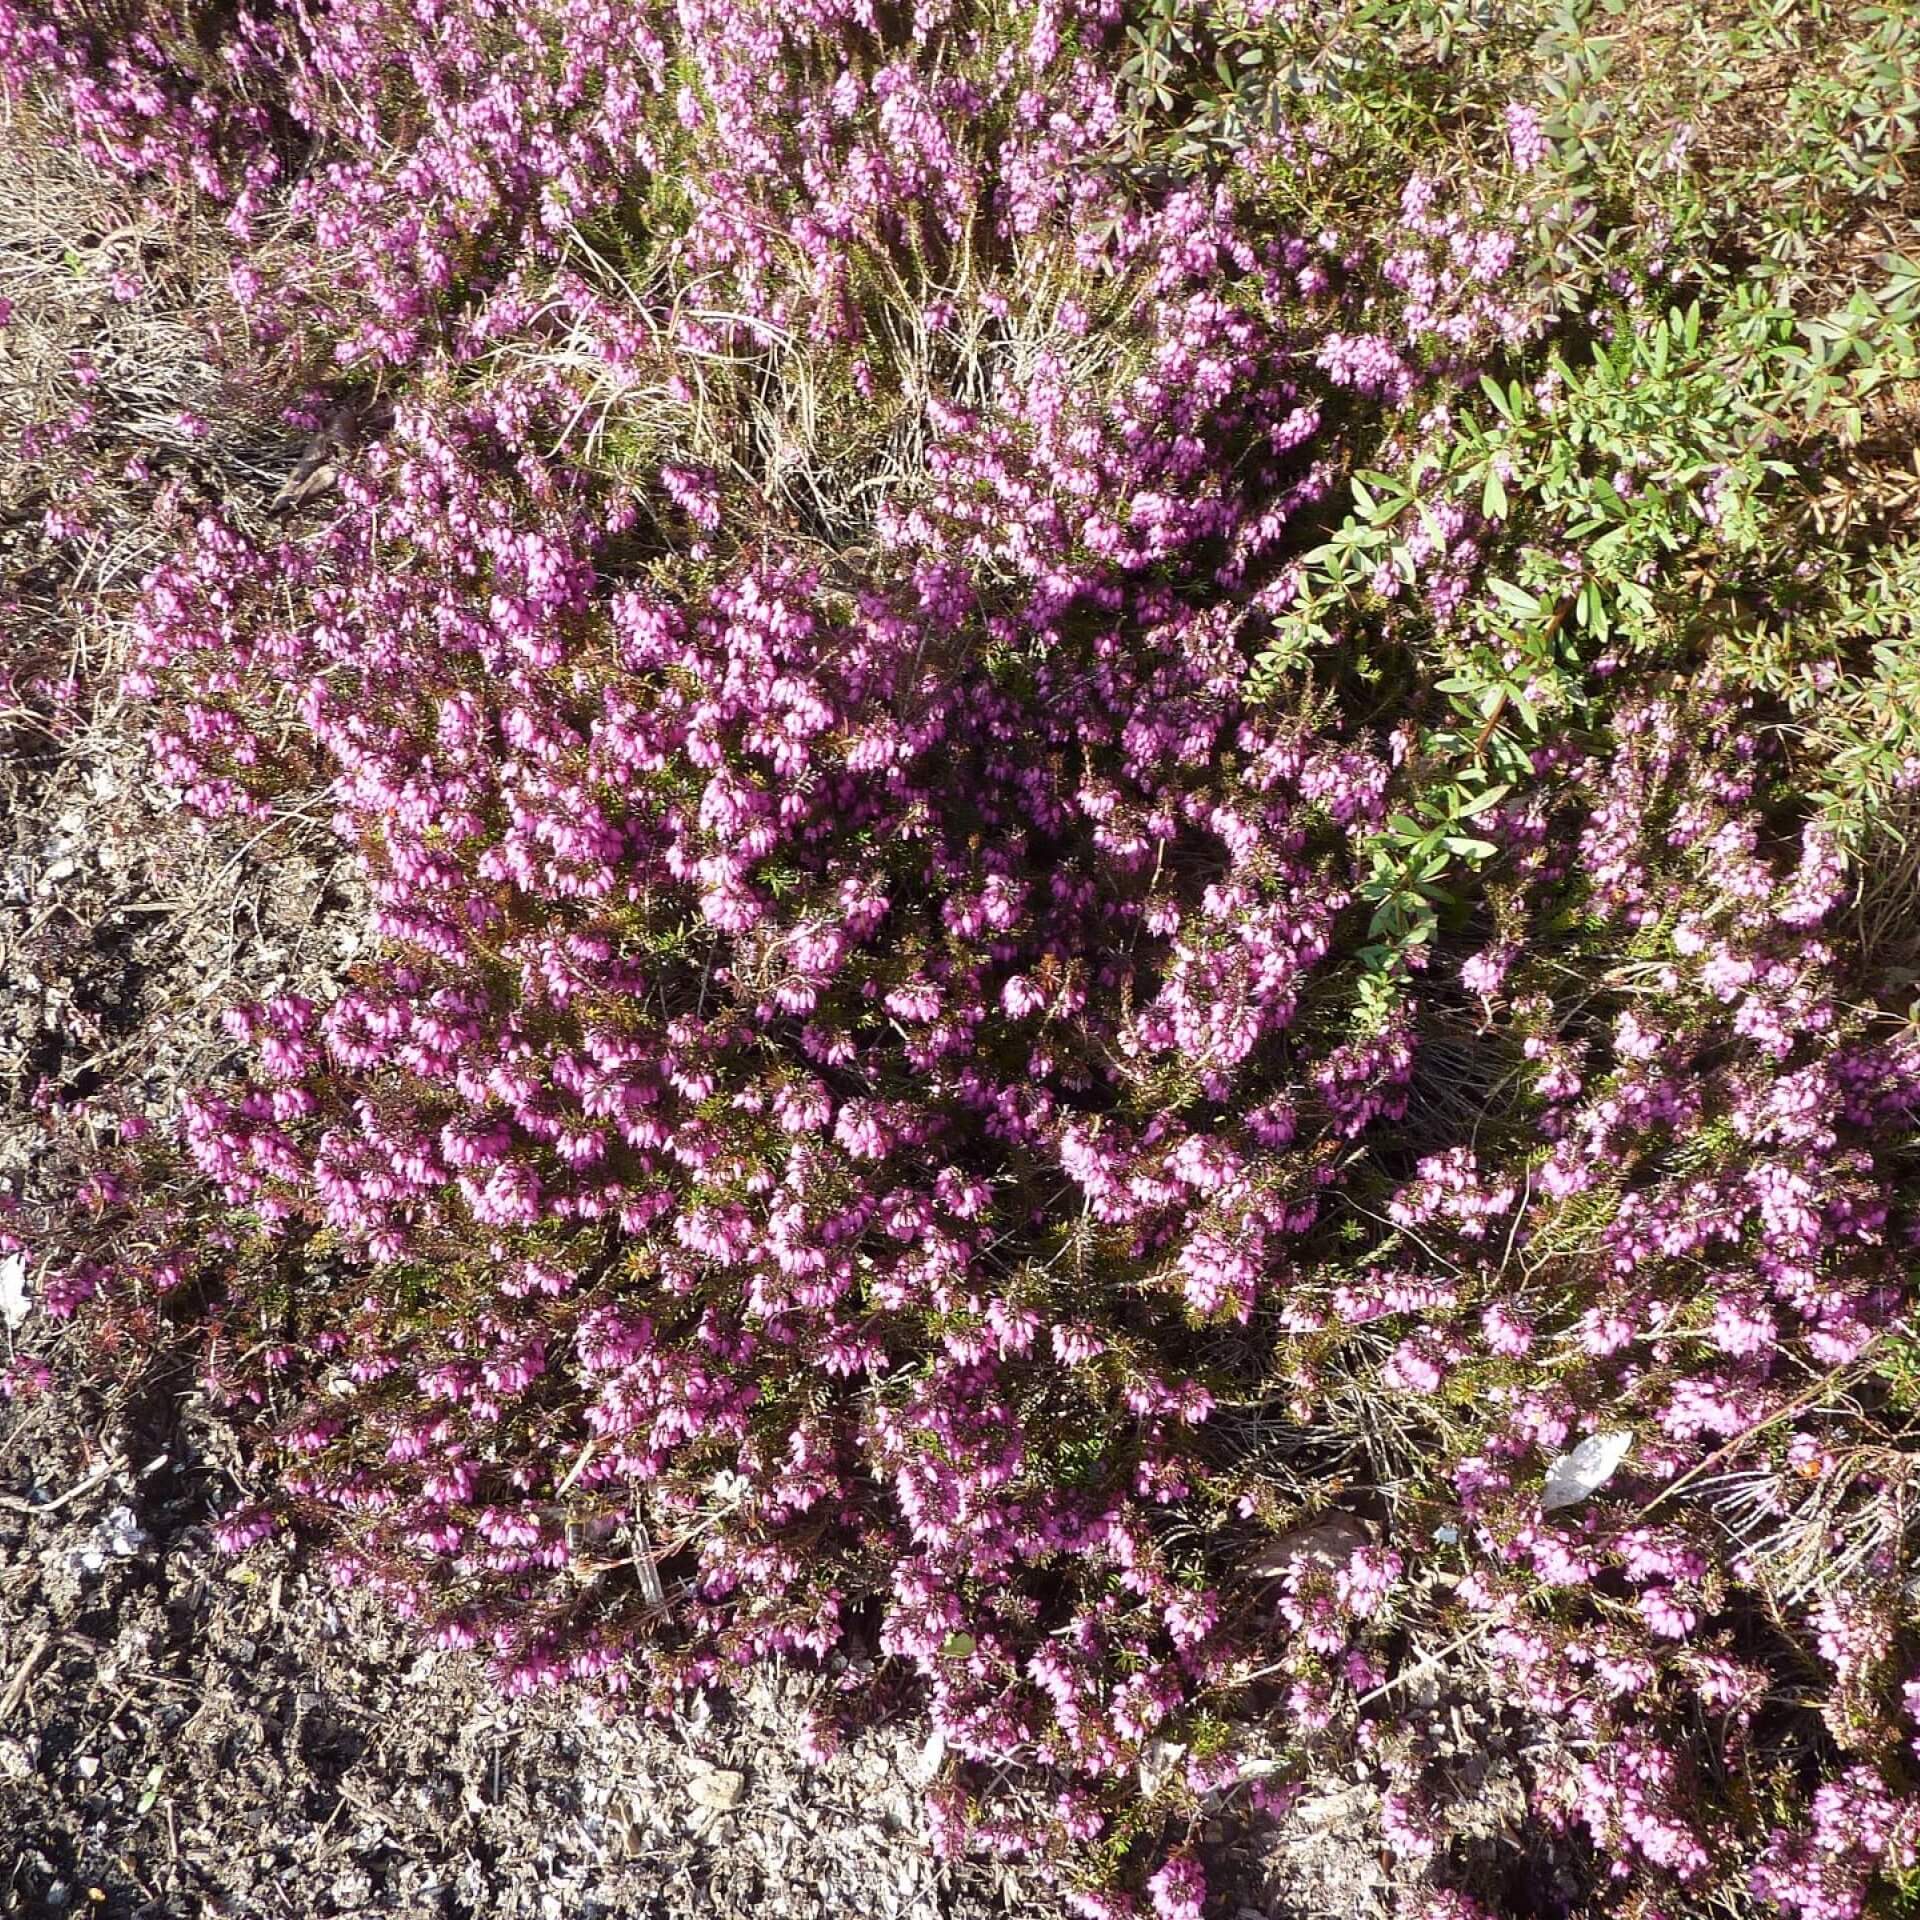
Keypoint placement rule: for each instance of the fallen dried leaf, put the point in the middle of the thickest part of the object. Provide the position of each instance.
(717, 1789)
(311, 478)
(1324, 1810)
(1330, 1542)
(1158, 1758)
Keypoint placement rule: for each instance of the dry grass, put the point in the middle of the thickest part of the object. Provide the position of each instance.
(120, 308)
(123, 929)
(781, 423)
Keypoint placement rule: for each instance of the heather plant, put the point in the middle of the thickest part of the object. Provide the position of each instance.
(1001, 1039)
(1653, 526)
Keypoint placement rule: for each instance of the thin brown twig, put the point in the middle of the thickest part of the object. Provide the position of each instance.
(14, 1504)
(1827, 1383)
(17, 1686)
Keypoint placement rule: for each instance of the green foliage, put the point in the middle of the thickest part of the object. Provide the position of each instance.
(1897, 1363)
(1412, 857)
(1738, 146)
(1639, 485)
(1361, 84)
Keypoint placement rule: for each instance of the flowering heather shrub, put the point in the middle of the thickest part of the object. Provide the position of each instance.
(872, 1127)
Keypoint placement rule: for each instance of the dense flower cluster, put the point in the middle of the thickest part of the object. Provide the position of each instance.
(1712, 1224)
(864, 1134)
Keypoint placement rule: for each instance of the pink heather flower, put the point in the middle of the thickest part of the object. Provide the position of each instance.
(244, 1527)
(1484, 972)
(1191, 1617)
(1668, 1615)
(865, 953)
(1413, 1367)
(1525, 141)
(1021, 997)
(1179, 1889)
(1507, 1333)
(25, 1378)
(1075, 1345)
(1369, 1575)
(1447, 1904)
(1855, 1633)
(1857, 1826)
(1407, 1825)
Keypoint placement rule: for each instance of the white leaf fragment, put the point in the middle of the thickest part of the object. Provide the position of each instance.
(1158, 1758)
(924, 1768)
(1585, 1470)
(13, 1290)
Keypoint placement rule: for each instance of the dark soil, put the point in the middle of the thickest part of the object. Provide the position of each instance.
(184, 1735)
